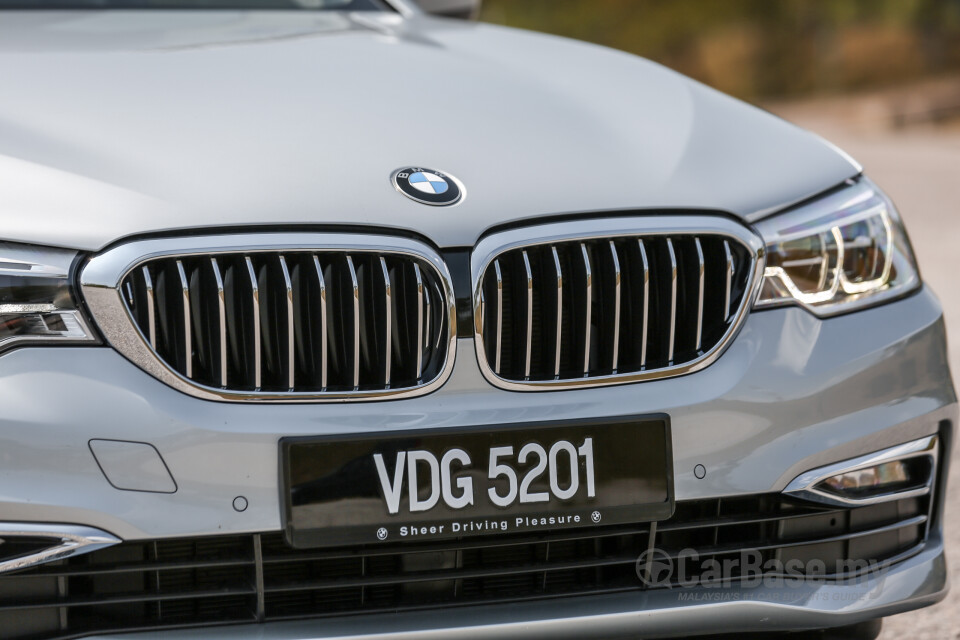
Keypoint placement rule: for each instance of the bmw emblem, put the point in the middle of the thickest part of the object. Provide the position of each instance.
(428, 186)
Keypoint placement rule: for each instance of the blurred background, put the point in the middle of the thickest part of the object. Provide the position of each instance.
(757, 49)
(879, 78)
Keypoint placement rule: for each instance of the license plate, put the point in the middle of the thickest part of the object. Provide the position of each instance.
(430, 485)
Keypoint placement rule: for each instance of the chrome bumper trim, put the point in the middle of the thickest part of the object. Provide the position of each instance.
(804, 486)
(65, 540)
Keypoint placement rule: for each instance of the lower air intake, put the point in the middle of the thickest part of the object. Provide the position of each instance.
(251, 578)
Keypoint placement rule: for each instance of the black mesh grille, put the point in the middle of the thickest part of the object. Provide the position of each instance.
(214, 580)
(319, 322)
(610, 306)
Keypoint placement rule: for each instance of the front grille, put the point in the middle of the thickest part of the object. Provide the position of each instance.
(290, 323)
(254, 578)
(610, 308)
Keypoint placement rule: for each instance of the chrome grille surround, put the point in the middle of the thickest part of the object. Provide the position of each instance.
(661, 227)
(103, 277)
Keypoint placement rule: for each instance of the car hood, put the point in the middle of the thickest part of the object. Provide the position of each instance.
(119, 123)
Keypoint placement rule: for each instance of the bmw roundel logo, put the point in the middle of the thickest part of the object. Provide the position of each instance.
(428, 186)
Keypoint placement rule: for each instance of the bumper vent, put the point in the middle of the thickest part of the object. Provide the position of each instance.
(615, 308)
(193, 582)
(288, 323)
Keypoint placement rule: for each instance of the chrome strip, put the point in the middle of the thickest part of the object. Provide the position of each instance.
(730, 267)
(494, 245)
(700, 294)
(66, 540)
(616, 305)
(589, 309)
(673, 300)
(222, 317)
(151, 308)
(646, 304)
(101, 276)
(499, 274)
(323, 322)
(428, 315)
(288, 286)
(556, 264)
(356, 322)
(187, 335)
(526, 265)
(416, 272)
(483, 309)
(805, 485)
(388, 319)
(255, 299)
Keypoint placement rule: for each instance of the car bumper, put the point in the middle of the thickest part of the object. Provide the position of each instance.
(914, 583)
(792, 393)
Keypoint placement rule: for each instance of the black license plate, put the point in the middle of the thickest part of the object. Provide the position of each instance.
(429, 485)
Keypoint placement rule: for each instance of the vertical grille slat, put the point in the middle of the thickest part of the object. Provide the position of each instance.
(419, 293)
(288, 296)
(699, 295)
(370, 294)
(529, 312)
(221, 320)
(275, 304)
(257, 337)
(313, 323)
(499, 335)
(645, 278)
(322, 284)
(615, 350)
(308, 330)
(387, 321)
(729, 280)
(340, 323)
(150, 310)
(355, 300)
(187, 334)
(559, 330)
(588, 309)
(608, 308)
(672, 340)
(204, 334)
(237, 296)
(428, 317)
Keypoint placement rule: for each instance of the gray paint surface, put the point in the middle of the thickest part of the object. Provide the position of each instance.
(132, 466)
(153, 121)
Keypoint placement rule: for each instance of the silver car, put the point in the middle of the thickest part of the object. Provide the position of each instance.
(335, 319)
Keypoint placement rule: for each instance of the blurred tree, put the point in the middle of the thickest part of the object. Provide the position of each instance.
(762, 48)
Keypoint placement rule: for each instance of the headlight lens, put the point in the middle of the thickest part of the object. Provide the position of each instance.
(839, 253)
(35, 300)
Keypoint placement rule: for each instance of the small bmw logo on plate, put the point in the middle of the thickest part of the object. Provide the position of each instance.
(428, 186)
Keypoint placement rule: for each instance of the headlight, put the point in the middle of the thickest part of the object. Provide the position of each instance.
(36, 304)
(842, 252)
